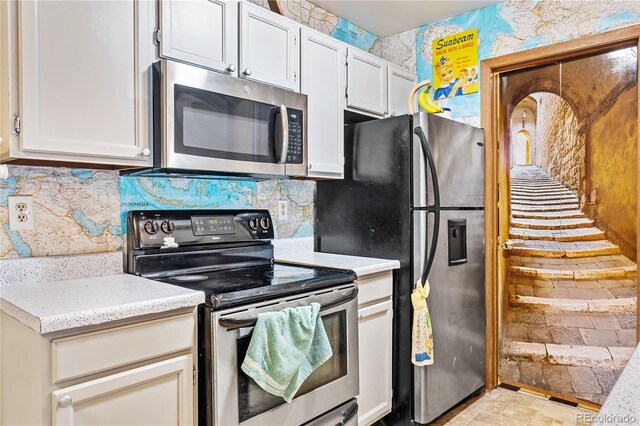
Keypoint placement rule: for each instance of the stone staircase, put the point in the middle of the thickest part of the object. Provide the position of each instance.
(571, 317)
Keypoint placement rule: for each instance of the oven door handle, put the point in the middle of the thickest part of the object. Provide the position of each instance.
(235, 323)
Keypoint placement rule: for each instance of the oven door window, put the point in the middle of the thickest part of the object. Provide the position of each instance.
(253, 400)
(213, 125)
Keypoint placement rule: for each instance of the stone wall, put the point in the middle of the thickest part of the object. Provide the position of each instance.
(560, 143)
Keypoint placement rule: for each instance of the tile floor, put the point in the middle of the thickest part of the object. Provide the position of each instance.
(506, 407)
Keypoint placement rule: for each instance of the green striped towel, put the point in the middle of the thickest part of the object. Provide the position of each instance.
(286, 347)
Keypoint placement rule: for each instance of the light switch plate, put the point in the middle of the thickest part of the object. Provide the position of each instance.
(21, 215)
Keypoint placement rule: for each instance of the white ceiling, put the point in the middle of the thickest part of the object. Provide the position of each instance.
(388, 17)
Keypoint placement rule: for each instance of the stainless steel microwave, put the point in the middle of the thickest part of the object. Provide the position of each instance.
(213, 123)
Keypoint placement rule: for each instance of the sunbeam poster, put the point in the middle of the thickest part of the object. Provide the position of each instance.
(455, 64)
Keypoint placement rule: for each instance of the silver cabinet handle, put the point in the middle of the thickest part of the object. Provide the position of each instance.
(310, 166)
(231, 68)
(386, 113)
(247, 71)
(145, 152)
(65, 401)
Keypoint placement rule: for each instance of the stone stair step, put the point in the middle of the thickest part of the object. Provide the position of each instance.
(565, 291)
(546, 304)
(534, 202)
(569, 355)
(578, 234)
(558, 252)
(583, 274)
(541, 187)
(542, 194)
(524, 199)
(571, 223)
(565, 214)
(534, 184)
(553, 208)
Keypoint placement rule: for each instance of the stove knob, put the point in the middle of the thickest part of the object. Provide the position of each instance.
(253, 223)
(264, 223)
(168, 226)
(151, 227)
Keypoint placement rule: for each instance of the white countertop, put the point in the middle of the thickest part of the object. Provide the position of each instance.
(362, 266)
(52, 306)
(621, 406)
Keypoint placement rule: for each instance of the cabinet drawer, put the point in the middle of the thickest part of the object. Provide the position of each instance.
(375, 288)
(91, 353)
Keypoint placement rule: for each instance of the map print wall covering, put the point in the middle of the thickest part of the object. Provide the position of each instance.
(84, 211)
(78, 211)
(520, 25)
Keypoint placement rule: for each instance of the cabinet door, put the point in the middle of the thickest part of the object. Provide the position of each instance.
(84, 70)
(400, 84)
(322, 72)
(156, 394)
(200, 32)
(366, 82)
(374, 333)
(269, 49)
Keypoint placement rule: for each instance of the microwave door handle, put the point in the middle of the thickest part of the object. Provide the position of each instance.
(235, 323)
(284, 131)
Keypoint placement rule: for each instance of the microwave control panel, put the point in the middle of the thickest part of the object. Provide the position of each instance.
(295, 152)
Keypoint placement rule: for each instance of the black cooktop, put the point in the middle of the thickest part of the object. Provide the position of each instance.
(245, 285)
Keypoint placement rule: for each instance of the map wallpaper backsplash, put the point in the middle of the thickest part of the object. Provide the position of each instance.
(84, 211)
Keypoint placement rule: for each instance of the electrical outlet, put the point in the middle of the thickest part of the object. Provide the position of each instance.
(21, 213)
(283, 210)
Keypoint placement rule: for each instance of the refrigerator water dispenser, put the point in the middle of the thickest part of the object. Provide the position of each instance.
(457, 241)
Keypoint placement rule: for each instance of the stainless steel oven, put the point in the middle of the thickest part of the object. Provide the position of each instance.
(237, 399)
(211, 122)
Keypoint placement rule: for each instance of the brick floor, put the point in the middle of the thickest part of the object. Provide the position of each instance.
(571, 312)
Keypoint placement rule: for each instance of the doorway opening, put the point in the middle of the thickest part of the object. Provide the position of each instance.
(563, 287)
(522, 151)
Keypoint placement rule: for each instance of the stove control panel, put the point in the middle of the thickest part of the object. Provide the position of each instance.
(213, 225)
(176, 228)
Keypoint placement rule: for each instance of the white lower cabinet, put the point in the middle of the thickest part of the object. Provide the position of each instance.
(155, 394)
(375, 325)
(140, 373)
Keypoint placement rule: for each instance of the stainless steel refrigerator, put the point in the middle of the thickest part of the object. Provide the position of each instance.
(413, 191)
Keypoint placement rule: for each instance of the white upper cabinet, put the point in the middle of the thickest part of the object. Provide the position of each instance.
(366, 82)
(84, 89)
(323, 81)
(200, 32)
(269, 49)
(400, 84)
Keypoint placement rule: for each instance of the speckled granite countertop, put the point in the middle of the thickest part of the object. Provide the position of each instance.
(60, 305)
(362, 266)
(622, 406)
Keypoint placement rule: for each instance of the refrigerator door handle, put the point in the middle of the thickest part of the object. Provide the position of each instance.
(434, 208)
